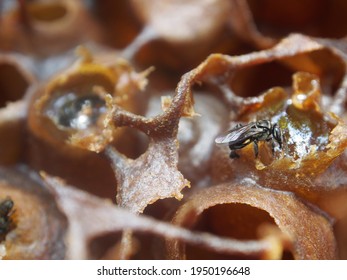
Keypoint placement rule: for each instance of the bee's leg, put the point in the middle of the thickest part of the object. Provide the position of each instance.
(273, 147)
(255, 147)
(233, 154)
(272, 142)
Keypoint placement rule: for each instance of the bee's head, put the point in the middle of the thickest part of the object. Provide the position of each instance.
(277, 134)
(6, 205)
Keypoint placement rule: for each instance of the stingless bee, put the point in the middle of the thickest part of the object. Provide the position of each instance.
(243, 135)
(5, 215)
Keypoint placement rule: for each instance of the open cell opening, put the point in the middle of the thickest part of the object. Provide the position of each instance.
(13, 84)
(237, 221)
(47, 12)
(320, 18)
(252, 81)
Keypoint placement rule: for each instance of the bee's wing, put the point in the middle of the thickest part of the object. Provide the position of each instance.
(234, 135)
